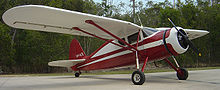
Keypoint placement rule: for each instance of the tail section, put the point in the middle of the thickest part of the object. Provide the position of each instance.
(76, 51)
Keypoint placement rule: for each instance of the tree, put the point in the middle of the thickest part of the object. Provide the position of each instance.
(6, 48)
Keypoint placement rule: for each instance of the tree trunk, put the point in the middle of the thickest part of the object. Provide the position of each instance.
(13, 35)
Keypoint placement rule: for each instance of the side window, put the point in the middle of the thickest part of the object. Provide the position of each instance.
(144, 34)
(133, 38)
(121, 42)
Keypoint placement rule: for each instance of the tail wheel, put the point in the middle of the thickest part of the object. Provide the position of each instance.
(138, 77)
(77, 74)
(182, 74)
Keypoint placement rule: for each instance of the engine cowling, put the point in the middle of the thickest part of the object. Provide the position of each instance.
(176, 40)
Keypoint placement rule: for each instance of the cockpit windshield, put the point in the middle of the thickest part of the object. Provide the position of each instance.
(133, 38)
(148, 31)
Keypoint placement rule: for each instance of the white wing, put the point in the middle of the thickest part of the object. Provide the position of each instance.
(49, 19)
(193, 34)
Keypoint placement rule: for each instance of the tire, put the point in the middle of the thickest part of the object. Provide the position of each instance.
(77, 74)
(138, 77)
(184, 75)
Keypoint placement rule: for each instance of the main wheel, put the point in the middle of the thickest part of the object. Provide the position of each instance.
(77, 74)
(138, 77)
(183, 75)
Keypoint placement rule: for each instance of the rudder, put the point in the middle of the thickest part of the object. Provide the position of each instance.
(76, 51)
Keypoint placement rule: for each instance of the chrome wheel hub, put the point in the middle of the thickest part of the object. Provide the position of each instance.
(137, 78)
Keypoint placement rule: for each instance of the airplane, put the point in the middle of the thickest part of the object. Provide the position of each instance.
(125, 44)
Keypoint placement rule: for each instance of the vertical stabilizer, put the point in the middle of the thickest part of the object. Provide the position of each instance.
(76, 51)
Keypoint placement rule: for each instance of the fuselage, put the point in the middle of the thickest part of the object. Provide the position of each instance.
(152, 46)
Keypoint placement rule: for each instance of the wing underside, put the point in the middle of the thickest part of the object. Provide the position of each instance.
(49, 19)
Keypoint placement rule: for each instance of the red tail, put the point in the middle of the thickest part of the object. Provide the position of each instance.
(76, 51)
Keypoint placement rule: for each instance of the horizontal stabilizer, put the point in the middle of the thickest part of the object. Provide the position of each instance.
(65, 63)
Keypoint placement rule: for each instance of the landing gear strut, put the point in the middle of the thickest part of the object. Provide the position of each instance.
(138, 77)
(182, 74)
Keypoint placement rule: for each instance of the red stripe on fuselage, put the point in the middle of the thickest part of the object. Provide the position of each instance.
(129, 56)
(155, 53)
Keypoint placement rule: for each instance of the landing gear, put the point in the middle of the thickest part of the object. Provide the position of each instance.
(182, 74)
(138, 77)
(77, 74)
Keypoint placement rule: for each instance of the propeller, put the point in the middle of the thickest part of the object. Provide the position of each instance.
(187, 39)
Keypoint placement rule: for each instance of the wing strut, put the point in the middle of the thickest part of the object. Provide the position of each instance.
(144, 65)
(96, 25)
(110, 41)
(104, 30)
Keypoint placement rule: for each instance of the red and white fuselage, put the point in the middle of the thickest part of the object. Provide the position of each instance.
(153, 47)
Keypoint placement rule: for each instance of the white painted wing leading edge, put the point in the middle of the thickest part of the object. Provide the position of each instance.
(50, 19)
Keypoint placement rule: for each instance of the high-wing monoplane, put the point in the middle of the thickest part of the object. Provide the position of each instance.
(126, 43)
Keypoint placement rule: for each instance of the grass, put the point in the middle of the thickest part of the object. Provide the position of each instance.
(107, 72)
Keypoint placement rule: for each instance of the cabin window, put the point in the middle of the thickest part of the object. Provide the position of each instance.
(144, 34)
(121, 42)
(148, 31)
(133, 38)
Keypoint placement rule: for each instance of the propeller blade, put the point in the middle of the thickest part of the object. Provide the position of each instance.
(186, 38)
(193, 47)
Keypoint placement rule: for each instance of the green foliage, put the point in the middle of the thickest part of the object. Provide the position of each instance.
(171, 13)
(6, 49)
(56, 3)
(75, 5)
(38, 48)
